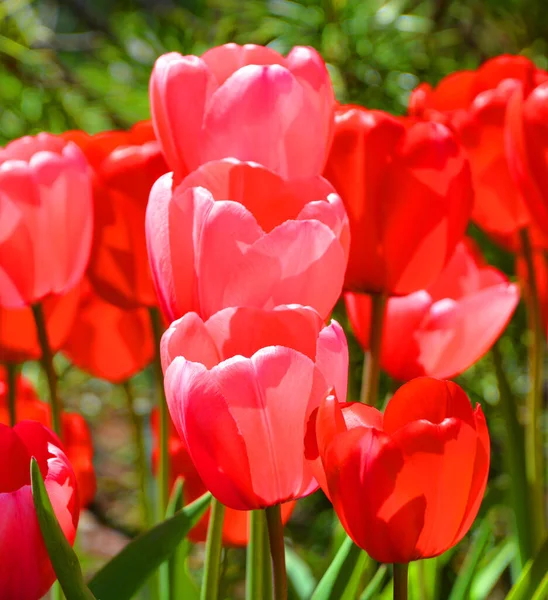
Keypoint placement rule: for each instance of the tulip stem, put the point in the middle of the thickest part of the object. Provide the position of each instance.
(400, 580)
(372, 359)
(47, 364)
(255, 556)
(533, 443)
(277, 550)
(11, 369)
(141, 455)
(514, 454)
(214, 546)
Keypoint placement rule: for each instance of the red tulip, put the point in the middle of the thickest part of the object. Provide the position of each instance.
(18, 338)
(407, 190)
(25, 569)
(107, 341)
(240, 389)
(409, 484)
(540, 262)
(474, 104)
(236, 522)
(46, 219)
(446, 328)
(75, 431)
(236, 234)
(125, 165)
(246, 102)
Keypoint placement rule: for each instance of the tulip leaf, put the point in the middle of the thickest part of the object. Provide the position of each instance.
(533, 582)
(299, 575)
(63, 558)
(339, 576)
(375, 584)
(120, 578)
(486, 579)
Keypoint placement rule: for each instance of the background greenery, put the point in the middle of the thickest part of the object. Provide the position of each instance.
(85, 64)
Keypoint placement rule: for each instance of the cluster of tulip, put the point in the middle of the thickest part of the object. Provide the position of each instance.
(237, 217)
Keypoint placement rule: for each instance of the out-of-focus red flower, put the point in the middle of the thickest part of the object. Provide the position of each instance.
(18, 338)
(107, 341)
(407, 484)
(125, 165)
(474, 104)
(237, 234)
(446, 328)
(236, 522)
(25, 569)
(246, 102)
(240, 389)
(407, 190)
(77, 441)
(46, 219)
(540, 261)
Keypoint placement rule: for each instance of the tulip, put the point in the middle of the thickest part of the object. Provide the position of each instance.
(246, 102)
(474, 103)
(540, 263)
(407, 190)
(124, 166)
(107, 341)
(407, 484)
(236, 522)
(47, 219)
(236, 234)
(25, 569)
(76, 435)
(241, 387)
(443, 330)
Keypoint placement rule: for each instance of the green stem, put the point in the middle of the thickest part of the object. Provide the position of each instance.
(277, 550)
(267, 580)
(372, 359)
(400, 580)
(214, 546)
(141, 455)
(514, 455)
(11, 369)
(255, 556)
(47, 364)
(533, 442)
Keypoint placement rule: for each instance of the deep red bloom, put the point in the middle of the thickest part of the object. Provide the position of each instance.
(75, 431)
(25, 569)
(407, 190)
(474, 103)
(107, 341)
(236, 522)
(446, 328)
(125, 165)
(540, 261)
(407, 484)
(46, 219)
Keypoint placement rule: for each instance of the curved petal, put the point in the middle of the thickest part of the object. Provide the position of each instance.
(332, 358)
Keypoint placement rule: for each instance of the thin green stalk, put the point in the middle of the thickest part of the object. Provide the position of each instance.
(214, 546)
(514, 456)
(47, 364)
(11, 369)
(255, 556)
(372, 359)
(141, 455)
(267, 579)
(400, 580)
(533, 442)
(277, 550)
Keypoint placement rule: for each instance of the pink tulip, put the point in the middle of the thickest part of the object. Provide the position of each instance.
(236, 234)
(46, 219)
(443, 330)
(241, 387)
(246, 102)
(25, 569)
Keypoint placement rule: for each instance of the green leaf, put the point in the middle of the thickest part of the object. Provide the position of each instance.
(533, 582)
(485, 580)
(63, 558)
(120, 578)
(340, 573)
(375, 584)
(299, 574)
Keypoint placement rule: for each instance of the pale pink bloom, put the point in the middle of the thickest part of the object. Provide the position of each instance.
(245, 102)
(236, 234)
(46, 218)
